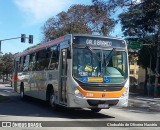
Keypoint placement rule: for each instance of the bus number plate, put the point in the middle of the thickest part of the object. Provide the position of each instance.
(103, 106)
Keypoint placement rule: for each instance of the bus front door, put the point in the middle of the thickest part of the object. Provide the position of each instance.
(63, 77)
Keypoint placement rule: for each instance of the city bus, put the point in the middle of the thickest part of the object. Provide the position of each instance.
(75, 71)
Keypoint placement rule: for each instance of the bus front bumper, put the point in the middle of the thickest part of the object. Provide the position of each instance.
(104, 103)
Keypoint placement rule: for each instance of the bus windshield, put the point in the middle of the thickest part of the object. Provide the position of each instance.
(98, 65)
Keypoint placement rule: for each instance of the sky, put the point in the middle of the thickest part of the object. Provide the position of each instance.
(28, 17)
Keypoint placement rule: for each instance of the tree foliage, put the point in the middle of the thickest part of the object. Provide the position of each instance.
(140, 21)
(6, 64)
(79, 19)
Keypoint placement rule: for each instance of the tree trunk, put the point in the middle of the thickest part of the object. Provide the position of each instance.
(3, 77)
(145, 82)
(7, 77)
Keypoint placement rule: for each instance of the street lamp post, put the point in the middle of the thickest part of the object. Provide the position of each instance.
(150, 66)
(157, 64)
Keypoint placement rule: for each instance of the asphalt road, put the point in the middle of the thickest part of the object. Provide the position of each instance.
(32, 110)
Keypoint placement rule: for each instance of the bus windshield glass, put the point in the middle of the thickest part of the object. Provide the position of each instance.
(98, 65)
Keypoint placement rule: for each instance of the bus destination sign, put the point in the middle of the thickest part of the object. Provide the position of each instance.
(99, 41)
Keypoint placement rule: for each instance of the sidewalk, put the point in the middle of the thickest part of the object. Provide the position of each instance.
(144, 102)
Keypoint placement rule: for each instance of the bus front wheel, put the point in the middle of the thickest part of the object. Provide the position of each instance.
(52, 101)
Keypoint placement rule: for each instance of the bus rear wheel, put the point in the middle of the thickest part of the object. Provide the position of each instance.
(95, 110)
(52, 101)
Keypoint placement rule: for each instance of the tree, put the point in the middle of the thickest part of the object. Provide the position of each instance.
(91, 19)
(6, 64)
(139, 22)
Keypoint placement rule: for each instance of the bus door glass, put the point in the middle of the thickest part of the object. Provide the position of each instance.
(63, 77)
(63, 73)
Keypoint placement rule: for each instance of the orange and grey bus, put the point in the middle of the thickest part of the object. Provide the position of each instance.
(75, 71)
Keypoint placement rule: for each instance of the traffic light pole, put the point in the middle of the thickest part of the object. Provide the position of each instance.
(6, 40)
(10, 39)
(30, 39)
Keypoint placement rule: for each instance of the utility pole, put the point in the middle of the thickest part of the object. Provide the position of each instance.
(157, 59)
(157, 65)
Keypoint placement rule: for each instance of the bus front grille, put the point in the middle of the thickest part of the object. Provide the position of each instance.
(101, 88)
(97, 102)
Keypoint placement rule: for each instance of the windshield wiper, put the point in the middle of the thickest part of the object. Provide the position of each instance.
(106, 62)
(94, 54)
(107, 59)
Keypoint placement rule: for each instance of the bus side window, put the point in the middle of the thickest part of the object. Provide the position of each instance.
(42, 61)
(32, 62)
(19, 64)
(26, 63)
(54, 57)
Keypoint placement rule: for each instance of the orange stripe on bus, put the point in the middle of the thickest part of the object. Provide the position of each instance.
(99, 94)
(15, 77)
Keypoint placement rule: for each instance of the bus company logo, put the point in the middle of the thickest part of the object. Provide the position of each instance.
(103, 94)
(6, 124)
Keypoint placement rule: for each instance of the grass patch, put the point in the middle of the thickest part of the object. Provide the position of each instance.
(3, 98)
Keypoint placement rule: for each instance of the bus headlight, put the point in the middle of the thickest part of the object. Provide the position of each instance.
(78, 93)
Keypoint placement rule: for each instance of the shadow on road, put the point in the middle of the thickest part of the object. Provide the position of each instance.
(37, 108)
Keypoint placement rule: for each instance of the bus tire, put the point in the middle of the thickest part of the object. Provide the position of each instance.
(95, 110)
(52, 101)
(22, 95)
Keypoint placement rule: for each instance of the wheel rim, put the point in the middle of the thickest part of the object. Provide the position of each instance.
(52, 100)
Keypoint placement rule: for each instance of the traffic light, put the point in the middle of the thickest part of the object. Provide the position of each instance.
(23, 37)
(30, 39)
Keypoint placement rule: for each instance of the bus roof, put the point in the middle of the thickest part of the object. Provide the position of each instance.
(99, 41)
(60, 39)
(42, 46)
(100, 36)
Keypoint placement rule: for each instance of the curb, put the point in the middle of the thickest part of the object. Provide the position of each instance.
(144, 104)
(154, 106)
(136, 103)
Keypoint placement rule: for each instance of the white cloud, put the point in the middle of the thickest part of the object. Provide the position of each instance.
(36, 11)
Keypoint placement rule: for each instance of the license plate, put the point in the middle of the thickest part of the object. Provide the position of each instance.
(103, 106)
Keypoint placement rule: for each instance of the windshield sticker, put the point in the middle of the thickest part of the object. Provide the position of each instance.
(107, 79)
(99, 74)
(88, 68)
(89, 74)
(94, 74)
(83, 73)
(95, 79)
(84, 79)
(80, 68)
